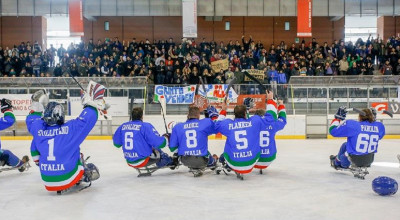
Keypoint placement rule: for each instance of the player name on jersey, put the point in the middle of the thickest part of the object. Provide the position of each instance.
(52, 167)
(242, 154)
(131, 154)
(131, 127)
(192, 153)
(54, 132)
(191, 125)
(369, 128)
(240, 124)
(265, 151)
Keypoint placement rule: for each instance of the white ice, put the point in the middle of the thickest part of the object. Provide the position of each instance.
(300, 184)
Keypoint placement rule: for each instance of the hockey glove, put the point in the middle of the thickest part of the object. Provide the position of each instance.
(248, 102)
(6, 105)
(212, 111)
(94, 96)
(341, 113)
(39, 101)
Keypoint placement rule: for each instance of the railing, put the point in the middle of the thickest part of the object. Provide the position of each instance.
(304, 95)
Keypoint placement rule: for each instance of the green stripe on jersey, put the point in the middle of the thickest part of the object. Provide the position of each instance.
(60, 178)
(35, 153)
(282, 114)
(267, 159)
(136, 161)
(242, 163)
(163, 144)
(273, 114)
(332, 127)
(117, 145)
(173, 149)
(9, 114)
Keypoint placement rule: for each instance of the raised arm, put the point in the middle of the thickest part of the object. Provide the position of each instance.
(9, 118)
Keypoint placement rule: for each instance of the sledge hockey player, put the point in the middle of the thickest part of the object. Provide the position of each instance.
(362, 138)
(242, 147)
(267, 137)
(190, 141)
(141, 144)
(6, 156)
(56, 144)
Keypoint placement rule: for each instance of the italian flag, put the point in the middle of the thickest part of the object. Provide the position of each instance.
(242, 167)
(272, 108)
(138, 163)
(335, 123)
(63, 182)
(264, 162)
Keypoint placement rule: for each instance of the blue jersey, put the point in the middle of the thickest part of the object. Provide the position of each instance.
(267, 135)
(362, 137)
(6, 121)
(191, 137)
(137, 139)
(57, 148)
(243, 137)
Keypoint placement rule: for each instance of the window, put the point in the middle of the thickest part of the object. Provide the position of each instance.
(227, 25)
(287, 26)
(106, 26)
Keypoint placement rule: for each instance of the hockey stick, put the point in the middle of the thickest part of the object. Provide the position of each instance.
(204, 89)
(131, 107)
(388, 113)
(229, 88)
(162, 112)
(357, 110)
(258, 82)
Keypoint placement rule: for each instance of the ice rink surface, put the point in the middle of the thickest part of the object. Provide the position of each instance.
(300, 184)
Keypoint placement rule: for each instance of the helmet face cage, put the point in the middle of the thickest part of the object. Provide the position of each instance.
(54, 114)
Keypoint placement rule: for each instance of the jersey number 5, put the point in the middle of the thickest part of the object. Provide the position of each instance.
(241, 140)
(367, 143)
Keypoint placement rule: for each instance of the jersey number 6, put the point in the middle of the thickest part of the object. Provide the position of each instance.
(367, 143)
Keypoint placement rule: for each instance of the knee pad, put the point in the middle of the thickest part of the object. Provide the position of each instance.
(91, 173)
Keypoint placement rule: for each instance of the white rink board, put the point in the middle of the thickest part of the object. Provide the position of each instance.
(299, 185)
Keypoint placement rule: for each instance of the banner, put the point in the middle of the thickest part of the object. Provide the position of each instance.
(21, 103)
(220, 65)
(119, 106)
(394, 107)
(258, 74)
(75, 17)
(259, 101)
(189, 18)
(216, 93)
(380, 106)
(175, 95)
(304, 18)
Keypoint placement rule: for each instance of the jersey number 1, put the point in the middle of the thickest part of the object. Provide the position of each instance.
(51, 156)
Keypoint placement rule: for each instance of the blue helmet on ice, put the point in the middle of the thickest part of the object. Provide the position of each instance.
(54, 114)
(384, 186)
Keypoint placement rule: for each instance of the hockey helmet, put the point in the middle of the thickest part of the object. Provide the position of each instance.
(54, 114)
(384, 186)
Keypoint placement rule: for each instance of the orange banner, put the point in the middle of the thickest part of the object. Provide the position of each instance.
(75, 17)
(304, 17)
(259, 101)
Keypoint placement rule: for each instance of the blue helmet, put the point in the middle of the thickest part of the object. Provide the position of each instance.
(54, 114)
(384, 186)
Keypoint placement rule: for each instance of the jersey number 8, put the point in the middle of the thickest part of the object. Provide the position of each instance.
(367, 143)
(191, 140)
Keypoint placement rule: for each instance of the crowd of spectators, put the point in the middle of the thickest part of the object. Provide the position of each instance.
(170, 62)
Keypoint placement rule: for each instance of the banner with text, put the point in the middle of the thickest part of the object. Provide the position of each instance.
(258, 74)
(304, 18)
(21, 103)
(189, 18)
(175, 95)
(118, 106)
(220, 65)
(216, 93)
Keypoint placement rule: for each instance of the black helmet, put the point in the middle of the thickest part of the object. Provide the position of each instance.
(54, 114)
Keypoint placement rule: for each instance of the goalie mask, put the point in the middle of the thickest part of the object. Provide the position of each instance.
(54, 114)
